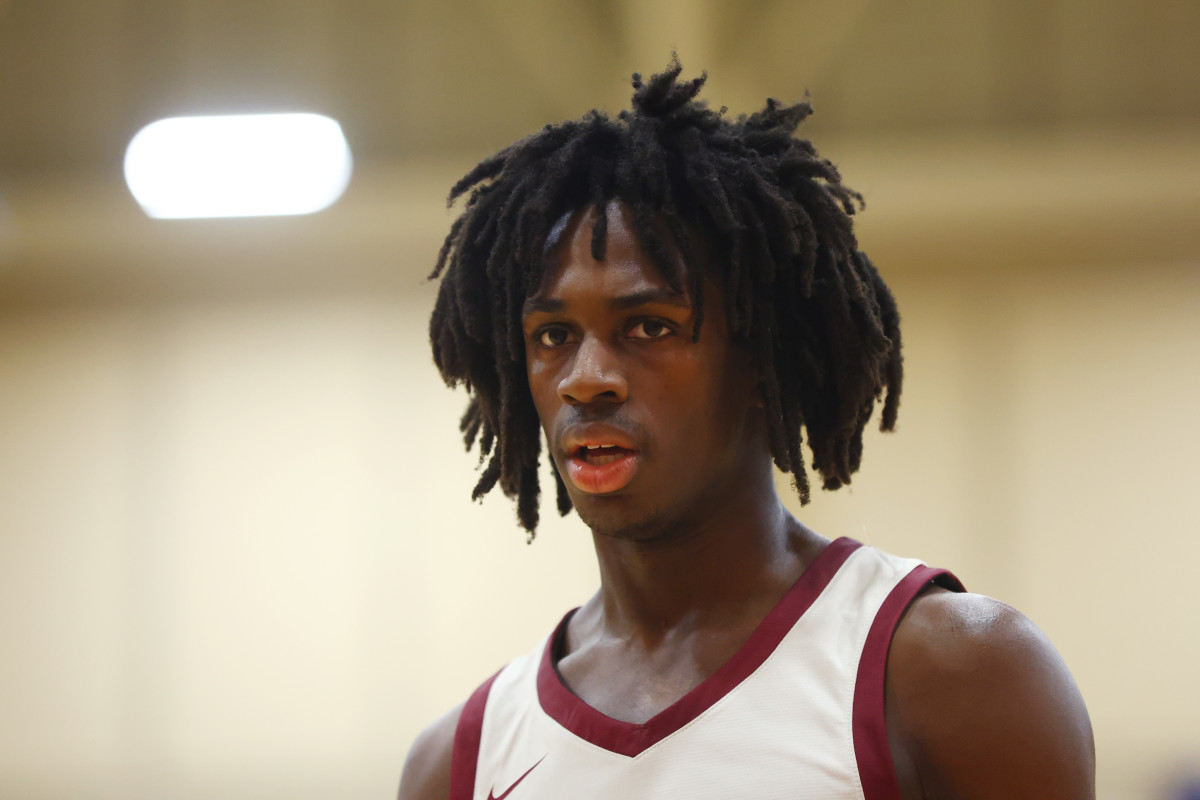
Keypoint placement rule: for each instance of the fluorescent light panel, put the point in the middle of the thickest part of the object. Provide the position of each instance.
(250, 165)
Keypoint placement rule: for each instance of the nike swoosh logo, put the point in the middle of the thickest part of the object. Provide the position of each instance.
(492, 793)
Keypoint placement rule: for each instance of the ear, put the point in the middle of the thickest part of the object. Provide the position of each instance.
(754, 378)
(759, 400)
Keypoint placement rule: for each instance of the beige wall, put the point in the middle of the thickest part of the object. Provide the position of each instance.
(237, 554)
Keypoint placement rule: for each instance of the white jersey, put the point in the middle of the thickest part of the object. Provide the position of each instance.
(797, 712)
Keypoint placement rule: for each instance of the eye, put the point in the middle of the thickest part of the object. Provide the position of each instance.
(650, 329)
(553, 337)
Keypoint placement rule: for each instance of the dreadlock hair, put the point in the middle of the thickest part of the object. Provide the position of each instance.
(822, 324)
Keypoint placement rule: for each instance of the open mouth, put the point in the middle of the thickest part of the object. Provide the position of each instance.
(601, 454)
(601, 468)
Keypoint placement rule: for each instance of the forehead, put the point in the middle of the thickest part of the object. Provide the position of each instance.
(626, 268)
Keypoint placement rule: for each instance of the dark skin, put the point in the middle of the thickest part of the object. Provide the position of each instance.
(696, 547)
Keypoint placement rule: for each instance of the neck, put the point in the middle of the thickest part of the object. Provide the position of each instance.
(726, 566)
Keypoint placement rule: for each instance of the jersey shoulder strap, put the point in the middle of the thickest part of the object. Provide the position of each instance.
(467, 735)
(872, 751)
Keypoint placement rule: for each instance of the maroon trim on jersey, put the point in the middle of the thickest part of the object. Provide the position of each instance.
(871, 748)
(465, 756)
(628, 738)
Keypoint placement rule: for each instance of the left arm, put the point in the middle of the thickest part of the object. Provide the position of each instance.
(980, 706)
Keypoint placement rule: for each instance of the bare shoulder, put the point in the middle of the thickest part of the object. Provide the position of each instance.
(426, 774)
(981, 705)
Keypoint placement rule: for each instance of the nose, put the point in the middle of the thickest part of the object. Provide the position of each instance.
(594, 375)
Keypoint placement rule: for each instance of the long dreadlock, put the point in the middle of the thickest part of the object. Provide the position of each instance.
(797, 290)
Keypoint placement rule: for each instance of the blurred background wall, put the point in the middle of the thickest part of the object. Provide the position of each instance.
(237, 554)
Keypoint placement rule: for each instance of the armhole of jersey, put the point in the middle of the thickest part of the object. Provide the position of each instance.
(467, 735)
(871, 748)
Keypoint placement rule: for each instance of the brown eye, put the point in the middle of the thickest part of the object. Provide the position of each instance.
(552, 337)
(650, 329)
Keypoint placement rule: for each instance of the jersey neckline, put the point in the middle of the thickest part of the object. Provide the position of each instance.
(631, 738)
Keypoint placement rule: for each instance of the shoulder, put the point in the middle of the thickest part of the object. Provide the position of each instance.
(981, 705)
(426, 774)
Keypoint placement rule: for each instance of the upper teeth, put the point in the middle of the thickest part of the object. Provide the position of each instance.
(598, 446)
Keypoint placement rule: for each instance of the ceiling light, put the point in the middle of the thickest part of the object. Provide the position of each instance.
(237, 166)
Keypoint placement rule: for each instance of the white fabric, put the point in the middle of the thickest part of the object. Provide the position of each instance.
(783, 732)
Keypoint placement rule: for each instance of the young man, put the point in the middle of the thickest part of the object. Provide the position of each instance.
(669, 298)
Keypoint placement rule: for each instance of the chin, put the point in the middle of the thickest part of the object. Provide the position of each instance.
(606, 515)
(619, 517)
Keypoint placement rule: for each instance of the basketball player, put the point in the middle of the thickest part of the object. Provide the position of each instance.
(669, 298)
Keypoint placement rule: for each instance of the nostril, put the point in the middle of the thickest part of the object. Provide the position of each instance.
(592, 387)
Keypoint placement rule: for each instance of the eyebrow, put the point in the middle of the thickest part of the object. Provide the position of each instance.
(625, 302)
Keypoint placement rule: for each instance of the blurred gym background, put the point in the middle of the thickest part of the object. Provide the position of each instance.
(237, 552)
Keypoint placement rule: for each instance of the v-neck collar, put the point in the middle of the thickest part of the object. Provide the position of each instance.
(630, 738)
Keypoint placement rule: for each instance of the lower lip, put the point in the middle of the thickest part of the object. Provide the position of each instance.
(602, 478)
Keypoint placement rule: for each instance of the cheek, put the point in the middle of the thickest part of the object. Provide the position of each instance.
(681, 397)
(542, 388)
(723, 390)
